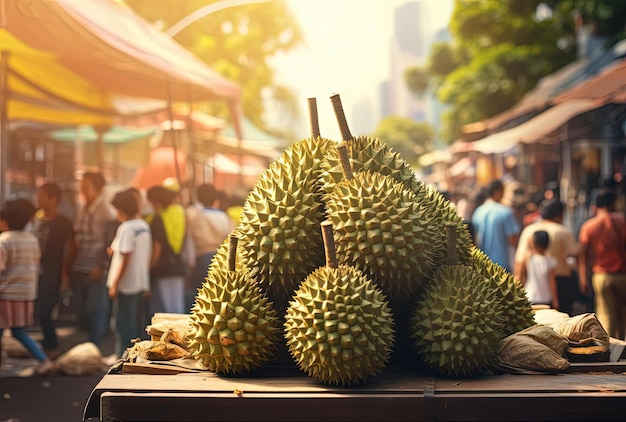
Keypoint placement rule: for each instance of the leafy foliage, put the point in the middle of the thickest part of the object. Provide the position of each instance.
(410, 139)
(501, 48)
(417, 79)
(236, 42)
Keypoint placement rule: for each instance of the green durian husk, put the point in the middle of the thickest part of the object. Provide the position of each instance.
(380, 228)
(234, 328)
(220, 259)
(280, 236)
(339, 327)
(457, 323)
(516, 307)
(372, 154)
(367, 154)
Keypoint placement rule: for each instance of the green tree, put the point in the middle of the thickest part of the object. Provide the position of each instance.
(236, 42)
(501, 48)
(410, 139)
(442, 61)
(418, 80)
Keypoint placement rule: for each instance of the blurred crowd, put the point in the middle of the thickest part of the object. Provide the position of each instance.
(124, 256)
(128, 254)
(575, 264)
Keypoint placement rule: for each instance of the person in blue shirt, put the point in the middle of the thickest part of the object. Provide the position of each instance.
(495, 227)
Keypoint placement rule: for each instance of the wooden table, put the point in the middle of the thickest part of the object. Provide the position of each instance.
(597, 394)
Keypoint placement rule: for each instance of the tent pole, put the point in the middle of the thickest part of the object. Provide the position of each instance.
(170, 114)
(100, 131)
(240, 148)
(192, 141)
(4, 120)
(237, 113)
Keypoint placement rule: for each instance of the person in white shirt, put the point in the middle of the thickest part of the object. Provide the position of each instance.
(563, 248)
(538, 273)
(129, 273)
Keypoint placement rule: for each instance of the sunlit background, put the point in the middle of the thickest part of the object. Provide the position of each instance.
(127, 85)
(355, 48)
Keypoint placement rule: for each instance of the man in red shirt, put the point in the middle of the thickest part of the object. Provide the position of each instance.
(602, 241)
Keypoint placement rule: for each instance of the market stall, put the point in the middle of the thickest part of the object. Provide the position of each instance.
(594, 395)
(347, 316)
(73, 62)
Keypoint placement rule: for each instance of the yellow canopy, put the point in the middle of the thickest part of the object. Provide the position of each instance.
(67, 59)
(42, 90)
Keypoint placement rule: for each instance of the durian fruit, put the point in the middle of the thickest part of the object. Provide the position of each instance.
(443, 212)
(380, 228)
(233, 327)
(339, 327)
(457, 323)
(517, 309)
(363, 154)
(221, 258)
(366, 153)
(279, 227)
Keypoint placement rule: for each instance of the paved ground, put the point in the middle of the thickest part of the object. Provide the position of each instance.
(54, 398)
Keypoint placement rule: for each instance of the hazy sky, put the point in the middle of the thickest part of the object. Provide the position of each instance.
(346, 51)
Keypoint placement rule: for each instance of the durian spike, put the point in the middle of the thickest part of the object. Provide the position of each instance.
(344, 159)
(232, 251)
(451, 256)
(341, 117)
(329, 244)
(314, 122)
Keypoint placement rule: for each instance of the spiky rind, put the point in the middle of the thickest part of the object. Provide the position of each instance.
(443, 212)
(371, 154)
(220, 259)
(339, 327)
(366, 153)
(233, 328)
(457, 323)
(280, 234)
(380, 228)
(517, 309)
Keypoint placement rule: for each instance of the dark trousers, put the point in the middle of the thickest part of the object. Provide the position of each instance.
(91, 305)
(47, 299)
(127, 328)
(198, 276)
(567, 292)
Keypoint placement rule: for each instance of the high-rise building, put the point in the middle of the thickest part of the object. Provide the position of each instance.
(433, 108)
(408, 49)
(415, 31)
(409, 28)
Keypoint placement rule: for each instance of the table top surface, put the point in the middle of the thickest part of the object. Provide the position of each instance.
(391, 381)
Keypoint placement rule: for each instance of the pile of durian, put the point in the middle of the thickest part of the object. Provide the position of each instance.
(342, 254)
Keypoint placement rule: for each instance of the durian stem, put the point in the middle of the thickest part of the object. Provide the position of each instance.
(344, 159)
(329, 244)
(452, 258)
(315, 124)
(341, 117)
(232, 251)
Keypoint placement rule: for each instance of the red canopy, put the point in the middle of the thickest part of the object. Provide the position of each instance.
(160, 166)
(608, 86)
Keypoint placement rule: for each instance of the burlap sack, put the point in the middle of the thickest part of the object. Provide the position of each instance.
(162, 322)
(178, 337)
(582, 329)
(155, 350)
(549, 316)
(535, 350)
(546, 336)
(82, 359)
